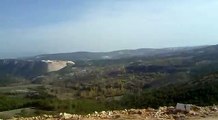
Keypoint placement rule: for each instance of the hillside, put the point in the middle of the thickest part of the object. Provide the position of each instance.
(22, 67)
(29, 68)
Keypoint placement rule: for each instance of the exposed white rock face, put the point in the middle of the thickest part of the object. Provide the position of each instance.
(70, 62)
(66, 115)
(55, 65)
(106, 57)
(183, 107)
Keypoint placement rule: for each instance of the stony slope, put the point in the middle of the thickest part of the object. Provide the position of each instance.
(163, 113)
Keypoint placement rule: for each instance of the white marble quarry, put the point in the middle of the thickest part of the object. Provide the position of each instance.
(55, 65)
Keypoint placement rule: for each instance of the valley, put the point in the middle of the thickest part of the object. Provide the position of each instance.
(185, 75)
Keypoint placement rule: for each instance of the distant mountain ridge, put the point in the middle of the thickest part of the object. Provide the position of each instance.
(143, 52)
(33, 66)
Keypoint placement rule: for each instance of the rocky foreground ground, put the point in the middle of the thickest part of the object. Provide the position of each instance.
(163, 113)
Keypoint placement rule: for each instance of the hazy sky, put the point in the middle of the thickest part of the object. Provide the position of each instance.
(30, 27)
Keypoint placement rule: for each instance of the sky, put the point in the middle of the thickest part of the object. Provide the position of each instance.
(30, 27)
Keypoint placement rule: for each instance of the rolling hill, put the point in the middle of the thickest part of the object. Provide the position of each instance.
(144, 52)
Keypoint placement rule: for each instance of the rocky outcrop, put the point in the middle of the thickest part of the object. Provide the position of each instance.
(163, 113)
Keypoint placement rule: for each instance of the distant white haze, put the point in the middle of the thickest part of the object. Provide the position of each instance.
(31, 27)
